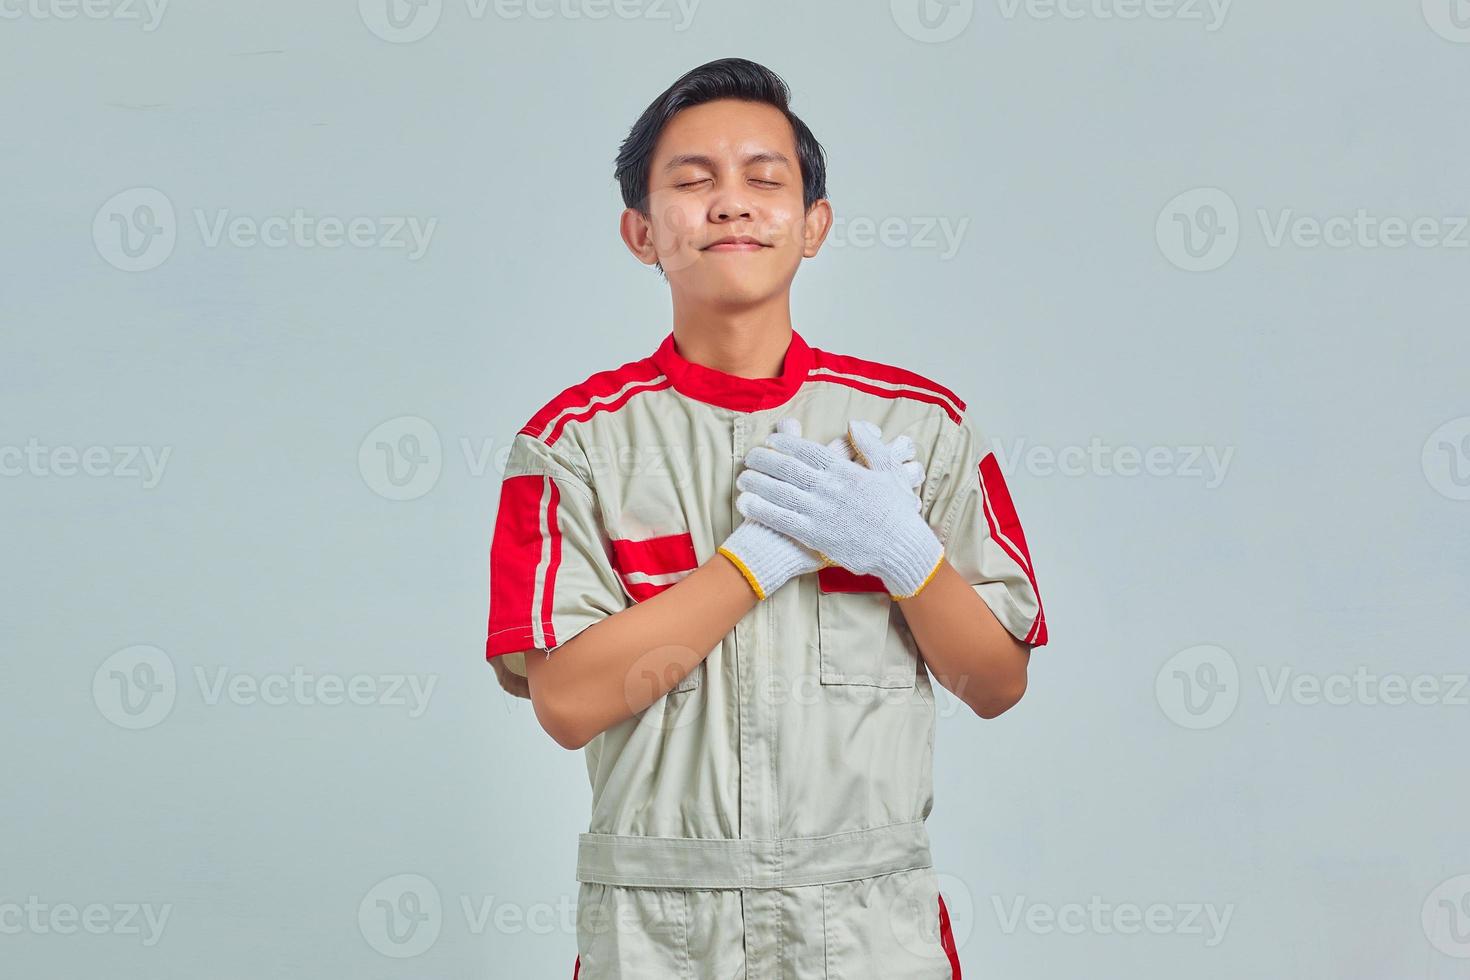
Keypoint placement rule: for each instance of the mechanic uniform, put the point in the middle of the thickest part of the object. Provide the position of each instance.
(765, 819)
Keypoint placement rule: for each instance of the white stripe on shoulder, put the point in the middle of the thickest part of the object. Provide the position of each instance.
(886, 385)
(600, 400)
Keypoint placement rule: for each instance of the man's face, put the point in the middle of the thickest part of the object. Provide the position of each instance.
(726, 218)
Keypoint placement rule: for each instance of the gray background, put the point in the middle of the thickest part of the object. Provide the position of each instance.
(1154, 761)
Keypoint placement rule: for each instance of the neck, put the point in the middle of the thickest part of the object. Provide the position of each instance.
(749, 342)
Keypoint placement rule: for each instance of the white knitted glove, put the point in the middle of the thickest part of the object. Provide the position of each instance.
(866, 520)
(767, 558)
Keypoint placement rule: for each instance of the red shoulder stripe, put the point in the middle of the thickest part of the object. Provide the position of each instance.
(884, 381)
(872, 389)
(885, 373)
(602, 392)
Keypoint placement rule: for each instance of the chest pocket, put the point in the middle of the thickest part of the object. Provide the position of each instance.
(861, 632)
(647, 566)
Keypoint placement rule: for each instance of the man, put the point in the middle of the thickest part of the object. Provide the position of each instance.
(711, 571)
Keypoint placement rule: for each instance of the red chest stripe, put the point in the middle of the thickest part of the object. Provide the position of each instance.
(664, 556)
(835, 578)
(655, 556)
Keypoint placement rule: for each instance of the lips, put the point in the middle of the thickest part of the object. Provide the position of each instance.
(734, 243)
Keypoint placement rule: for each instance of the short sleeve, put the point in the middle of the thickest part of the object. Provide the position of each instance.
(551, 570)
(972, 512)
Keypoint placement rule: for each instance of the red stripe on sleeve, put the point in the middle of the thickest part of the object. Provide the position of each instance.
(515, 553)
(1005, 528)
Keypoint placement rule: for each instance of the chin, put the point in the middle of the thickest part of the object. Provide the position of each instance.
(742, 294)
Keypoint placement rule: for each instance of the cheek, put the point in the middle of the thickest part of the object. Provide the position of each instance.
(674, 224)
(784, 226)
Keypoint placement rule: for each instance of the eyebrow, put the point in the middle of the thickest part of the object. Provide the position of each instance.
(699, 160)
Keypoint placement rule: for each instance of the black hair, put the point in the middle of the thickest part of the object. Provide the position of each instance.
(727, 78)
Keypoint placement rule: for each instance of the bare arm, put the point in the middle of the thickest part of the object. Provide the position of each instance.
(619, 666)
(965, 647)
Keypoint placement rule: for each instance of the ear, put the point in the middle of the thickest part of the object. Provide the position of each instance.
(637, 232)
(814, 230)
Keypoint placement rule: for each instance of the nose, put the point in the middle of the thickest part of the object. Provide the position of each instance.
(730, 204)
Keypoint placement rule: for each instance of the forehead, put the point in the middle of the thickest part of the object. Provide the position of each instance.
(726, 127)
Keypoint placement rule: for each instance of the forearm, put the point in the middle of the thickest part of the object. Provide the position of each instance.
(964, 646)
(616, 668)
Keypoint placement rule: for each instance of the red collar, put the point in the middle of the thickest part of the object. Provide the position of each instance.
(731, 391)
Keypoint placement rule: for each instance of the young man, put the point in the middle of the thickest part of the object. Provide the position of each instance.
(711, 570)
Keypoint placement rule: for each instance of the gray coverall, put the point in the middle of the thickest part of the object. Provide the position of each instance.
(764, 819)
